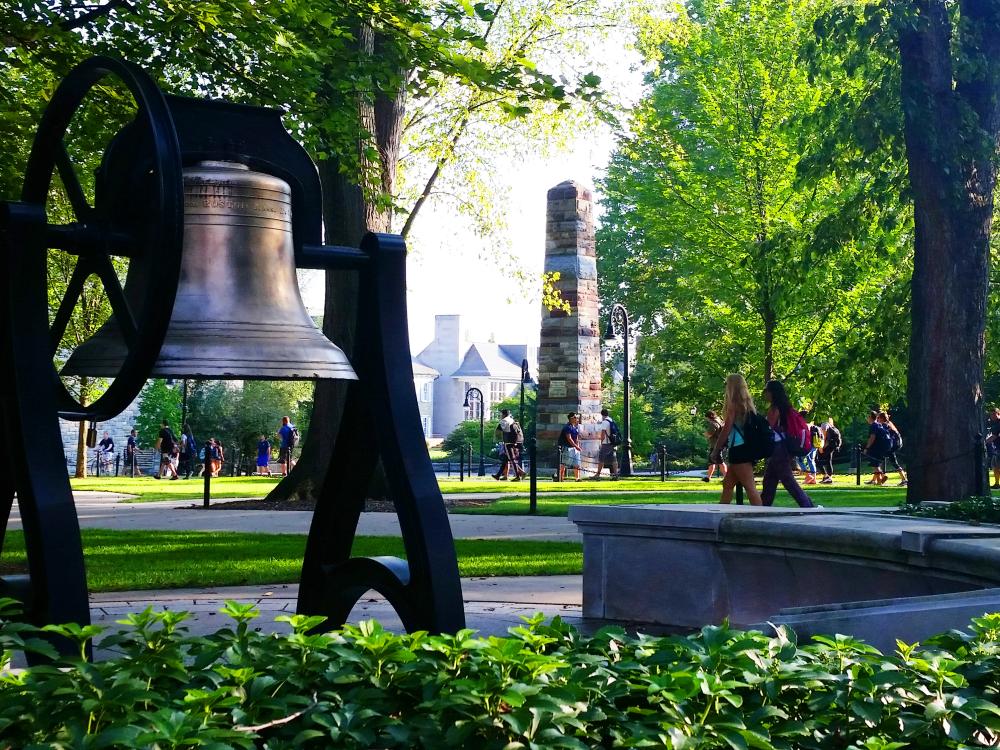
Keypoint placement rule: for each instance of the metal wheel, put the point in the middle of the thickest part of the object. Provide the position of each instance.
(137, 213)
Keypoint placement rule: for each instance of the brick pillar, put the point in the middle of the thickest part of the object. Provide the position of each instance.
(569, 355)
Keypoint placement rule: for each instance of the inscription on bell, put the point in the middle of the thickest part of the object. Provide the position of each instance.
(236, 197)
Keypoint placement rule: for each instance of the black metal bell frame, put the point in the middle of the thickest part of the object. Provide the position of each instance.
(138, 213)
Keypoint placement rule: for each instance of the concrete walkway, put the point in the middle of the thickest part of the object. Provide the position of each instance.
(492, 605)
(104, 510)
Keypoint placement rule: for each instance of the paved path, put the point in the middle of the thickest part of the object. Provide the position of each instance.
(102, 510)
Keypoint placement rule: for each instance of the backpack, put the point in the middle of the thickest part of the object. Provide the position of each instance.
(797, 438)
(817, 437)
(883, 443)
(758, 437)
(833, 439)
(294, 441)
(895, 439)
(516, 433)
(615, 436)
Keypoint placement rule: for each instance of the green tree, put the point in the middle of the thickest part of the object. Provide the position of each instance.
(945, 57)
(158, 401)
(728, 253)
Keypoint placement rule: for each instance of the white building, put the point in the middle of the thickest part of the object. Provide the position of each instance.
(451, 364)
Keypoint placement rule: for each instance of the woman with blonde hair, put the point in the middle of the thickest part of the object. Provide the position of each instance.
(739, 404)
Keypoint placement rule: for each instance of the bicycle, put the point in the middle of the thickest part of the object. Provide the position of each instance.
(103, 463)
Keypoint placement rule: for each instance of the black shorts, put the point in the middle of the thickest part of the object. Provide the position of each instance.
(739, 454)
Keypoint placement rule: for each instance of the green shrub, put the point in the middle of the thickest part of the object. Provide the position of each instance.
(543, 687)
(973, 510)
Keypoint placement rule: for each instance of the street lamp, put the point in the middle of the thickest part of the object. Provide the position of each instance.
(525, 378)
(618, 322)
(482, 417)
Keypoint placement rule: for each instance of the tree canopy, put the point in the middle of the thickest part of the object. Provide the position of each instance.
(732, 252)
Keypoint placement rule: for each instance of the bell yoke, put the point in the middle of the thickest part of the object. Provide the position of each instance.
(214, 205)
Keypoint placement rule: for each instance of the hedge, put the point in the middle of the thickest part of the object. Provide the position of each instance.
(545, 686)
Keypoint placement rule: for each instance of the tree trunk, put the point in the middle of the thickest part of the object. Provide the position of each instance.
(347, 216)
(81, 436)
(769, 325)
(952, 178)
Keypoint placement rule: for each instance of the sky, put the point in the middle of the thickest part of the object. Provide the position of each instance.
(450, 270)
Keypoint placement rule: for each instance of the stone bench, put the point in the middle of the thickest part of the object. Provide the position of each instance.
(685, 566)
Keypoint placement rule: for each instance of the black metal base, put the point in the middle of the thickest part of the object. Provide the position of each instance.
(381, 419)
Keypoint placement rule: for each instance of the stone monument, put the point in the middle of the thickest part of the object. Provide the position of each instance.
(569, 354)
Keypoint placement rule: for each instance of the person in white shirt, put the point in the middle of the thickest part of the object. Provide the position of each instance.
(607, 456)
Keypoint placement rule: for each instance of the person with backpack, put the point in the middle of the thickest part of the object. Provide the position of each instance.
(189, 450)
(611, 438)
(877, 448)
(895, 443)
(815, 443)
(740, 415)
(993, 445)
(832, 441)
(712, 434)
(791, 438)
(289, 437)
(511, 437)
(166, 444)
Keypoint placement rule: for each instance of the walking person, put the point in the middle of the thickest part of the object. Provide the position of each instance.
(514, 447)
(784, 420)
(189, 450)
(502, 435)
(610, 438)
(895, 443)
(214, 457)
(876, 448)
(166, 444)
(131, 452)
(815, 443)
(263, 457)
(739, 405)
(288, 435)
(569, 443)
(993, 445)
(712, 434)
(832, 441)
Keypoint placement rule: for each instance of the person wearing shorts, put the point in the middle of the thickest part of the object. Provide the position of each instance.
(569, 442)
(263, 456)
(875, 449)
(607, 456)
(285, 451)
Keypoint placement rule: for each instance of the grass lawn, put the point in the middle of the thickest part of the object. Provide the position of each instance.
(556, 504)
(148, 489)
(554, 497)
(135, 560)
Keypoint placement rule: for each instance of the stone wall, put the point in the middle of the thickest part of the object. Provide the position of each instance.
(118, 428)
(569, 355)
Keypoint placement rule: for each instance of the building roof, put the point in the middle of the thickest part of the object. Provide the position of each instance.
(491, 361)
(421, 369)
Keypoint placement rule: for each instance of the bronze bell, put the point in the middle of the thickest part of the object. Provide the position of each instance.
(238, 313)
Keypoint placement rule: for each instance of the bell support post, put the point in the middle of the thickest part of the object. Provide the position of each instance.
(425, 589)
(55, 587)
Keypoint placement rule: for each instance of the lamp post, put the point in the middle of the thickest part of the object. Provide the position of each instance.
(525, 378)
(618, 323)
(482, 427)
